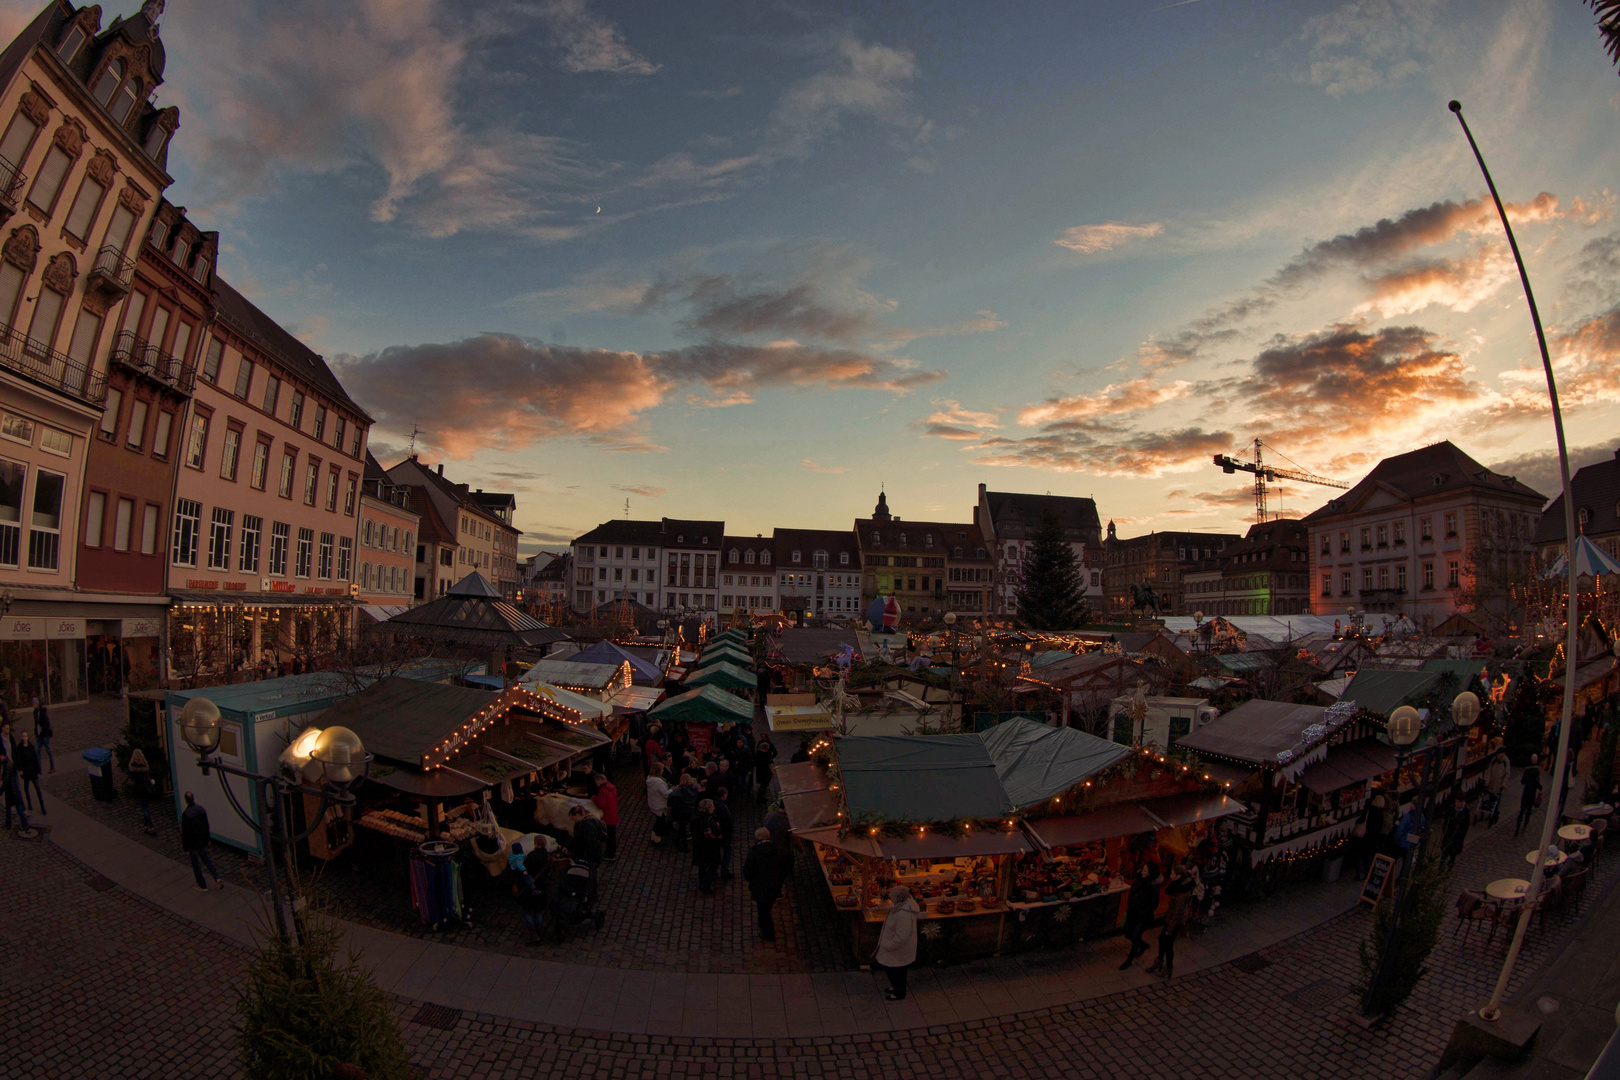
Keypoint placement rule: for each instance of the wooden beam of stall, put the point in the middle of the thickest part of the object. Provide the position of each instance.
(502, 755)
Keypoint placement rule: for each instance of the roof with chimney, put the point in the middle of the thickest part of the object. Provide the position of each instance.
(1597, 493)
(1440, 469)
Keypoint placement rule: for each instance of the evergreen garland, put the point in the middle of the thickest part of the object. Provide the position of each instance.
(1050, 594)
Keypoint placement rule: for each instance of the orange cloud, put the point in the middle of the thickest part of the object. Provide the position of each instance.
(1117, 398)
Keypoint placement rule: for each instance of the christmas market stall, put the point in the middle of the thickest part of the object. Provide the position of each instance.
(1095, 811)
(590, 679)
(1380, 692)
(703, 712)
(1303, 774)
(723, 675)
(644, 670)
(724, 653)
(923, 811)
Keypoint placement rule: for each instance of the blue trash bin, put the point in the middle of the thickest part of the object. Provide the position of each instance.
(99, 764)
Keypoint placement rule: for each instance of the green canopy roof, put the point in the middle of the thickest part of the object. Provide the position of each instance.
(1035, 762)
(705, 703)
(725, 654)
(724, 675)
(1465, 670)
(728, 635)
(1383, 692)
(920, 778)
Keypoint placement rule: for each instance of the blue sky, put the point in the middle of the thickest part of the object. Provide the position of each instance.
(1070, 247)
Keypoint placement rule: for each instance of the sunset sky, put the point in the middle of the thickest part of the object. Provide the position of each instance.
(752, 260)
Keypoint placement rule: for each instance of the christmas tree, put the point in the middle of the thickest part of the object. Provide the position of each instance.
(1050, 595)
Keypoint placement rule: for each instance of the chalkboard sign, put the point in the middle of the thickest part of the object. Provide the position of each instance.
(1378, 879)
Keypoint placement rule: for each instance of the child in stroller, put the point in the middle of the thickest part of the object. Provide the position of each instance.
(576, 902)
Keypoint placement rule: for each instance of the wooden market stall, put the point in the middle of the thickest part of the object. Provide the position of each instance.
(702, 711)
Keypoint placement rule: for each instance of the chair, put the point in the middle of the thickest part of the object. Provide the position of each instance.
(1574, 886)
(1503, 913)
(1552, 893)
(1471, 908)
(1600, 826)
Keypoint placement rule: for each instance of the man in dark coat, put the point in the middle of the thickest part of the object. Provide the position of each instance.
(1140, 905)
(590, 838)
(1456, 830)
(194, 840)
(706, 835)
(728, 830)
(766, 871)
(12, 788)
(28, 770)
(682, 806)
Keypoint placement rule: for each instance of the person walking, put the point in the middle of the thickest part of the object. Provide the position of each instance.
(1179, 891)
(12, 791)
(607, 800)
(897, 942)
(43, 733)
(706, 845)
(140, 777)
(1455, 834)
(658, 806)
(652, 750)
(1530, 781)
(195, 837)
(764, 756)
(1496, 778)
(28, 770)
(1140, 905)
(728, 829)
(765, 871)
(531, 897)
(683, 803)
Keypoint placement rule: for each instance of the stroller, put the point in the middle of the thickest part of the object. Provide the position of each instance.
(576, 902)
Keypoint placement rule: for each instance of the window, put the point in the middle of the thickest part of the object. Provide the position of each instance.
(159, 233)
(1400, 533)
(247, 558)
(1428, 575)
(117, 238)
(419, 558)
(261, 465)
(348, 498)
(1453, 571)
(843, 558)
(1426, 529)
(18, 139)
(1327, 545)
(1344, 583)
(1327, 584)
(1451, 525)
(219, 539)
(155, 141)
(199, 442)
(107, 85)
(1400, 577)
(272, 390)
(354, 450)
(187, 525)
(337, 433)
(296, 418)
(11, 283)
(365, 575)
(332, 488)
(47, 311)
(12, 476)
(229, 453)
(109, 415)
(137, 424)
(289, 465)
(123, 522)
(345, 558)
(95, 510)
(149, 530)
(1383, 577)
(82, 345)
(312, 479)
(216, 352)
(737, 555)
(304, 554)
(244, 378)
(1366, 539)
(320, 423)
(367, 532)
(49, 182)
(85, 205)
(160, 326)
(1383, 536)
(128, 97)
(72, 42)
(279, 531)
(323, 567)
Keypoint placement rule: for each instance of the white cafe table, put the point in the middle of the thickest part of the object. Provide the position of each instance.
(1575, 832)
(1546, 859)
(1601, 809)
(1511, 888)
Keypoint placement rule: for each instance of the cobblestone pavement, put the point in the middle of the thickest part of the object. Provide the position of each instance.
(659, 920)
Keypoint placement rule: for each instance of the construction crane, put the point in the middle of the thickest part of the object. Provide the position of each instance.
(1263, 472)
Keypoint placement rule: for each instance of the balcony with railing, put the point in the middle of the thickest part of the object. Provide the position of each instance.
(44, 366)
(11, 186)
(139, 355)
(112, 272)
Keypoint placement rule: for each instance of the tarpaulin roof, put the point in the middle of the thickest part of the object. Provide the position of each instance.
(1256, 731)
(727, 676)
(920, 778)
(1244, 661)
(1035, 762)
(636, 698)
(812, 645)
(1382, 692)
(809, 809)
(403, 719)
(642, 671)
(724, 654)
(572, 672)
(589, 707)
(1349, 763)
(471, 612)
(706, 703)
(1465, 670)
(1103, 823)
(797, 776)
(733, 634)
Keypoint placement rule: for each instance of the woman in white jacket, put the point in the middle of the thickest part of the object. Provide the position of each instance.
(897, 944)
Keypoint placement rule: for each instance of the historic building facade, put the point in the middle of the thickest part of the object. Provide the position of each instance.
(1008, 522)
(1265, 573)
(1160, 560)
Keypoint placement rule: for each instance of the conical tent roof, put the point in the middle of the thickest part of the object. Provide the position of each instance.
(1590, 561)
(471, 612)
(724, 675)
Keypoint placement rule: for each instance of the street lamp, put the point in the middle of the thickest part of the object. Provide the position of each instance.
(1405, 725)
(323, 763)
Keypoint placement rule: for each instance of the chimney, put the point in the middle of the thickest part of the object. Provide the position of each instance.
(441, 468)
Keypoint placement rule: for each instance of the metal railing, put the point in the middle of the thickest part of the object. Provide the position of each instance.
(11, 182)
(43, 365)
(148, 359)
(114, 268)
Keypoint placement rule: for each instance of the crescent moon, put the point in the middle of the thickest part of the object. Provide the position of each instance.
(598, 209)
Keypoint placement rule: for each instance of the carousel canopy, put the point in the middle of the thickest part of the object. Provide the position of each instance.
(706, 703)
(642, 671)
(920, 778)
(1590, 561)
(725, 675)
(1035, 762)
(471, 612)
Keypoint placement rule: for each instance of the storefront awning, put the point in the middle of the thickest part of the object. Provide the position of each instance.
(798, 776)
(183, 597)
(1104, 823)
(1190, 808)
(811, 809)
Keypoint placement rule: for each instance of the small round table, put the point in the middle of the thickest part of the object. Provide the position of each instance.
(1597, 809)
(1511, 888)
(1575, 832)
(1546, 859)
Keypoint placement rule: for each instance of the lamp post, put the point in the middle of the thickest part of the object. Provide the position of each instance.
(334, 756)
(1405, 725)
(1492, 1010)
